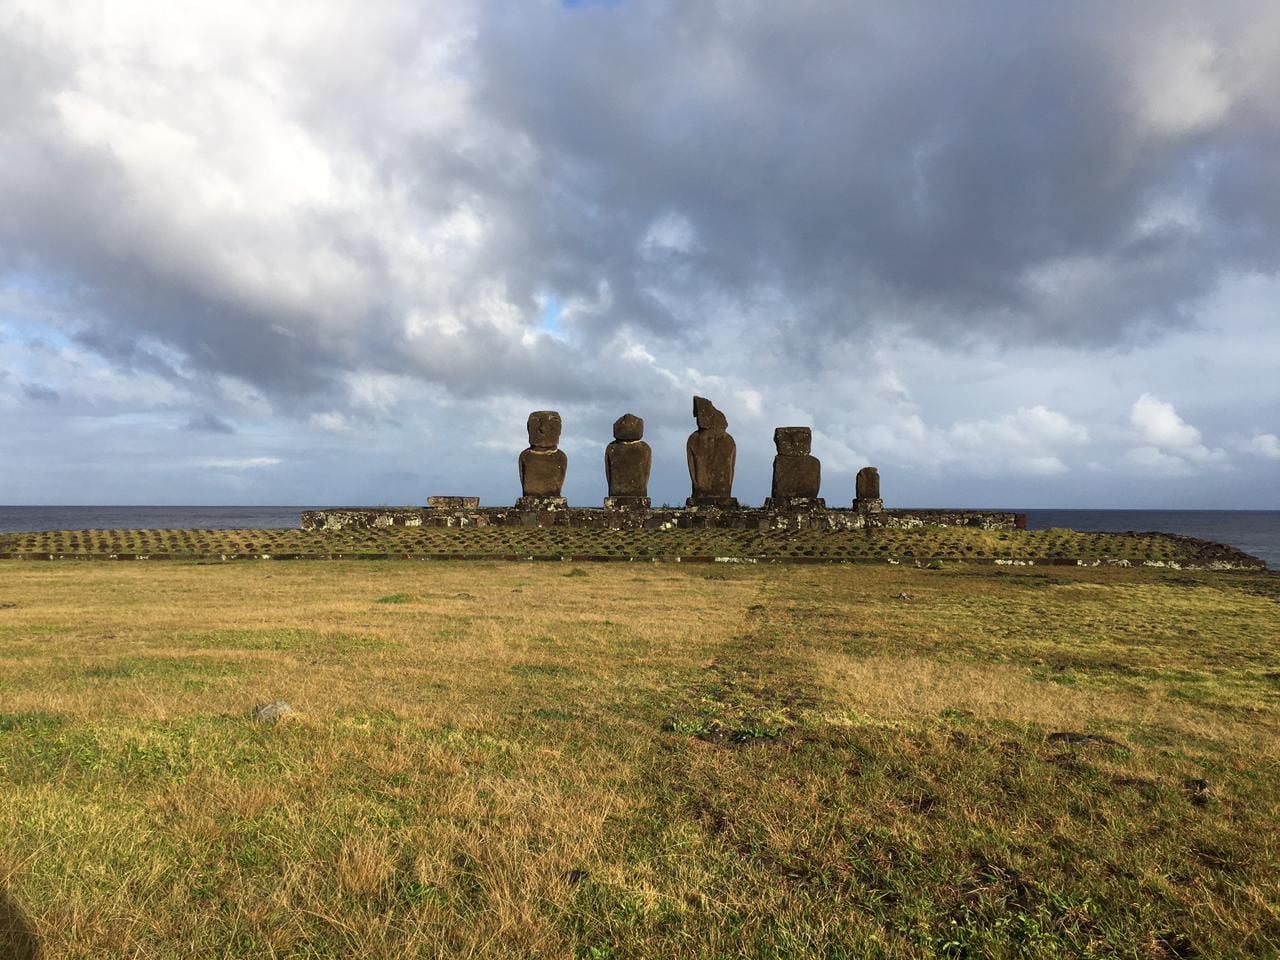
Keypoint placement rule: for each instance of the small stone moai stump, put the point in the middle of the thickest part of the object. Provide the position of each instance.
(712, 455)
(626, 465)
(543, 465)
(796, 474)
(867, 491)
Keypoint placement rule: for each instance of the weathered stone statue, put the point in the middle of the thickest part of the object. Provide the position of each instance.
(867, 491)
(868, 484)
(626, 465)
(543, 465)
(796, 474)
(712, 455)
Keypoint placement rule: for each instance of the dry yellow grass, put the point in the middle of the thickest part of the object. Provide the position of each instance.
(633, 760)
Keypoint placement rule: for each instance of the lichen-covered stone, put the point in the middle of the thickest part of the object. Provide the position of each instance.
(542, 504)
(712, 455)
(628, 428)
(793, 441)
(627, 503)
(795, 504)
(554, 511)
(796, 474)
(628, 460)
(453, 503)
(272, 712)
(867, 484)
(542, 465)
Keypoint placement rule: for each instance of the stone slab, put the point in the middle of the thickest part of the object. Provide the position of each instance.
(453, 503)
(627, 503)
(542, 504)
(714, 503)
(800, 504)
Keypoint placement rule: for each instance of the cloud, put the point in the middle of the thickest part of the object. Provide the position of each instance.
(40, 393)
(207, 423)
(1158, 423)
(1030, 441)
(1180, 85)
(1265, 445)
(330, 420)
(288, 197)
(236, 463)
(1156, 461)
(1166, 438)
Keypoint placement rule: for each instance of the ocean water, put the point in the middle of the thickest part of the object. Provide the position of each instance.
(1254, 531)
(15, 519)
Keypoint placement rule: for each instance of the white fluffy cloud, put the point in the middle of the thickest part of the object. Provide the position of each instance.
(1265, 445)
(1030, 441)
(1167, 442)
(1158, 423)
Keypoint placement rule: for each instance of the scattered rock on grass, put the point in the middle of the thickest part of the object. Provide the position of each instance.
(272, 712)
(1199, 791)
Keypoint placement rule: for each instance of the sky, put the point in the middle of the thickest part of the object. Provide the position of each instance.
(1013, 254)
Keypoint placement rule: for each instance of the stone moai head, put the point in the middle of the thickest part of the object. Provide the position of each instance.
(627, 428)
(793, 441)
(544, 429)
(708, 417)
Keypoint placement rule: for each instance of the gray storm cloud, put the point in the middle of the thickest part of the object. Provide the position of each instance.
(271, 209)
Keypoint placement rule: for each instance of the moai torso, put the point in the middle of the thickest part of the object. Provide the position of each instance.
(628, 459)
(711, 452)
(796, 474)
(543, 466)
(542, 472)
(867, 484)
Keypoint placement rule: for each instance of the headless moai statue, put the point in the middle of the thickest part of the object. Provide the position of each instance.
(712, 454)
(627, 461)
(543, 465)
(867, 490)
(797, 475)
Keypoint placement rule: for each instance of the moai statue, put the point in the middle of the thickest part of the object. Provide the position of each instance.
(712, 454)
(796, 474)
(626, 465)
(543, 465)
(867, 491)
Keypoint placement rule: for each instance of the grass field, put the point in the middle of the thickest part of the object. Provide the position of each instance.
(637, 760)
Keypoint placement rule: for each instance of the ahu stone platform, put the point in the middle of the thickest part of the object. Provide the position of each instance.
(547, 513)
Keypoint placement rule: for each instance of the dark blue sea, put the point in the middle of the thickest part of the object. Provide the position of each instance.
(15, 519)
(1254, 531)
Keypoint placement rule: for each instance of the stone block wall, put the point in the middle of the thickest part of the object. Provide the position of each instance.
(340, 518)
